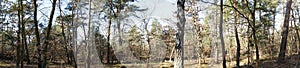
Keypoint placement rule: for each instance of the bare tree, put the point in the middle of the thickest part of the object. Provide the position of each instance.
(297, 32)
(74, 42)
(179, 50)
(88, 59)
(238, 46)
(48, 34)
(221, 35)
(39, 48)
(24, 39)
(254, 30)
(19, 45)
(215, 43)
(285, 32)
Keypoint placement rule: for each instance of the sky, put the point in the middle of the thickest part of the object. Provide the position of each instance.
(160, 9)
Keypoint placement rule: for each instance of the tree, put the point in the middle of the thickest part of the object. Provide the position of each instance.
(24, 39)
(254, 29)
(297, 30)
(114, 11)
(64, 40)
(179, 50)
(19, 45)
(48, 34)
(284, 33)
(73, 35)
(238, 46)
(88, 58)
(73, 42)
(221, 35)
(39, 48)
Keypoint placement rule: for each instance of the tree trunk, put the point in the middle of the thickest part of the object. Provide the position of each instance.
(88, 59)
(254, 32)
(119, 23)
(39, 48)
(18, 35)
(221, 35)
(25, 43)
(215, 43)
(48, 34)
(74, 41)
(22, 36)
(238, 46)
(285, 32)
(273, 33)
(297, 32)
(108, 33)
(179, 49)
(148, 41)
(63, 34)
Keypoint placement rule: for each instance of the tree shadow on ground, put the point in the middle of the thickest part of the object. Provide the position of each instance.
(292, 61)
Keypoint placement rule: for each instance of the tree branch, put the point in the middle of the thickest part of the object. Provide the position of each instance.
(230, 6)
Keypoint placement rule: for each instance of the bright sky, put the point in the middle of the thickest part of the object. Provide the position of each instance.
(160, 9)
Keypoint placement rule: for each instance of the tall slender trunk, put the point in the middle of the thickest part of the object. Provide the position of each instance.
(179, 47)
(221, 35)
(25, 43)
(238, 46)
(273, 33)
(19, 44)
(297, 32)
(108, 42)
(74, 36)
(249, 56)
(214, 40)
(285, 30)
(108, 34)
(254, 31)
(22, 36)
(148, 42)
(63, 34)
(119, 24)
(38, 43)
(88, 59)
(48, 34)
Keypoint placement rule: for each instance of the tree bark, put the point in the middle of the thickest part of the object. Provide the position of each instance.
(63, 34)
(238, 46)
(273, 33)
(254, 31)
(88, 59)
(48, 34)
(221, 35)
(214, 35)
(22, 36)
(25, 43)
(179, 47)
(297, 32)
(74, 41)
(285, 32)
(39, 48)
(19, 44)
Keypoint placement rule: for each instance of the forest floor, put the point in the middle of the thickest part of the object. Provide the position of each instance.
(266, 62)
